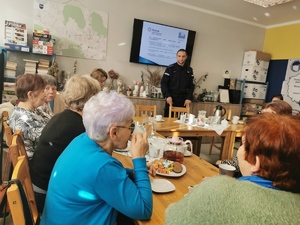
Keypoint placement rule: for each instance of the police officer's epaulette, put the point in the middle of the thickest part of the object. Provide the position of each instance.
(171, 65)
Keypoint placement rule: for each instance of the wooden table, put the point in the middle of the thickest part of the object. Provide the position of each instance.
(197, 168)
(170, 128)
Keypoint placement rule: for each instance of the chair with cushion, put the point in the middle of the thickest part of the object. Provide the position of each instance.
(20, 195)
(174, 112)
(212, 143)
(149, 110)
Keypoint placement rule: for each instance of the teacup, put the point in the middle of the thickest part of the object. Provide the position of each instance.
(235, 119)
(158, 118)
(225, 169)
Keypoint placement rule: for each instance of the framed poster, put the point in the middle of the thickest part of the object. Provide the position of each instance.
(224, 95)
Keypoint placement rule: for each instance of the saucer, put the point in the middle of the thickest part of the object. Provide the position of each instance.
(162, 186)
(159, 120)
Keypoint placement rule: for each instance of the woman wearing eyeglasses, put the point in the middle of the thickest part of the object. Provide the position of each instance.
(88, 185)
(59, 132)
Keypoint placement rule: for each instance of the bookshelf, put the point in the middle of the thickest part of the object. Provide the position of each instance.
(7, 90)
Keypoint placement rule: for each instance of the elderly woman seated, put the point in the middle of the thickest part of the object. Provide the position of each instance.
(100, 75)
(268, 191)
(50, 94)
(30, 94)
(87, 184)
(276, 107)
(59, 132)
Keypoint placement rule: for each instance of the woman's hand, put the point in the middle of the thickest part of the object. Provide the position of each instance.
(151, 169)
(139, 145)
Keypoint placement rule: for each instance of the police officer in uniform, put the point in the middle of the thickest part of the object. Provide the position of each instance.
(177, 83)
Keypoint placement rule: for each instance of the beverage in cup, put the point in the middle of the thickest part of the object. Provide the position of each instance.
(173, 155)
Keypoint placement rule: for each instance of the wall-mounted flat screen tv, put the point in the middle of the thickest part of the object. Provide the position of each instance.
(157, 44)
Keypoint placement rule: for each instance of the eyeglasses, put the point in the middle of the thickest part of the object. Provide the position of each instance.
(131, 128)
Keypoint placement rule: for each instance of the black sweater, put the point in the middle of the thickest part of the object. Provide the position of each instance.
(55, 137)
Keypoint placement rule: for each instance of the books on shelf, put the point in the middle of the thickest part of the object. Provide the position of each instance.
(30, 66)
(10, 69)
(8, 94)
(42, 42)
(43, 66)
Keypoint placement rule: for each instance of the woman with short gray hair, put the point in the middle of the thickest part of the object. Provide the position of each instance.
(50, 94)
(101, 187)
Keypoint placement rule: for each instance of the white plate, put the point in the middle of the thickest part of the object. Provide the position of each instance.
(162, 186)
(173, 174)
(240, 122)
(159, 120)
(187, 153)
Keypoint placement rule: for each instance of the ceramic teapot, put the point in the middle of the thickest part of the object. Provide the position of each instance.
(176, 148)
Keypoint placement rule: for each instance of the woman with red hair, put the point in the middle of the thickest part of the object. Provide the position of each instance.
(269, 190)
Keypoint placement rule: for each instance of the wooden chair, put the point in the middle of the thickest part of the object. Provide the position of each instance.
(174, 112)
(20, 195)
(8, 133)
(17, 147)
(149, 110)
(212, 143)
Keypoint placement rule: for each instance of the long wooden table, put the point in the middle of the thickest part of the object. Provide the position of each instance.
(170, 128)
(197, 169)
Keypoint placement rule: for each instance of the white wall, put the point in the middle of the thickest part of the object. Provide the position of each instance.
(220, 43)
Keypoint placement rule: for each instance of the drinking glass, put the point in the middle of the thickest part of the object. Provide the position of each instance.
(148, 125)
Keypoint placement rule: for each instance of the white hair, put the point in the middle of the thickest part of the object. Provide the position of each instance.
(104, 110)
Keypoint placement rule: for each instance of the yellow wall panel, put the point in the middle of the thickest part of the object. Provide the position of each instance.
(283, 42)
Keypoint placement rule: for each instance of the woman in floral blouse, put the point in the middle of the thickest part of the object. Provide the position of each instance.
(30, 94)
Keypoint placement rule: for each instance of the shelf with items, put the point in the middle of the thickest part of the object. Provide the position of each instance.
(253, 95)
(21, 58)
(8, 78)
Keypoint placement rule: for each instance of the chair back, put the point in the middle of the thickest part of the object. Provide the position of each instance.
(174, 112)
(149, 110)
(17, 147)
(8, 133)
(20, 195)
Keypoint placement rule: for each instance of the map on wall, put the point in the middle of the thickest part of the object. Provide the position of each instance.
(291, 85)
(78, 32)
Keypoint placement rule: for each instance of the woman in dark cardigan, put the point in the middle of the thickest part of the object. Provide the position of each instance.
(59, 132)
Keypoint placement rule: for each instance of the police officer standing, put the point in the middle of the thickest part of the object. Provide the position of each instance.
(177, 83)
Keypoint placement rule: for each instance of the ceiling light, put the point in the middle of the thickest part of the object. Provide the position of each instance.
(267, 3)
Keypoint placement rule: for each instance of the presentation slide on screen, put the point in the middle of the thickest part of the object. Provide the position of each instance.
(160, 43)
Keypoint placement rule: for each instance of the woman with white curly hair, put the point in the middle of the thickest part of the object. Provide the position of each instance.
(98, 187)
